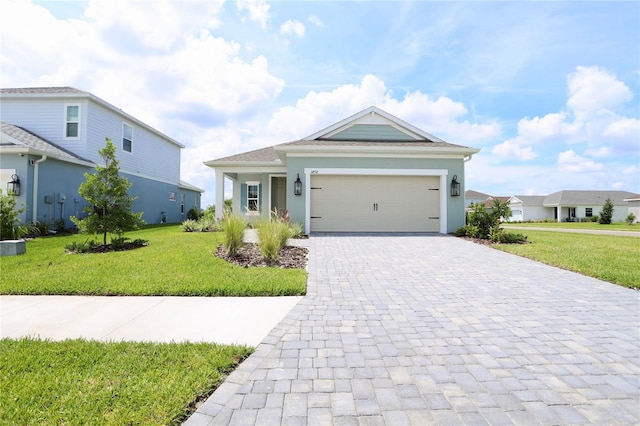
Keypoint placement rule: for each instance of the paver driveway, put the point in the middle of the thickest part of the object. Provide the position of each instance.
(438, 330)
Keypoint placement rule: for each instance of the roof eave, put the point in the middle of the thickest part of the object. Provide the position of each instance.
(31, 151)
(386, 149)
(217, 163)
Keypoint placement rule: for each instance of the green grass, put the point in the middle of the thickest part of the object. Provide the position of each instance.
(175, 263)
(618, 226)
(76, 382)
(614, 259)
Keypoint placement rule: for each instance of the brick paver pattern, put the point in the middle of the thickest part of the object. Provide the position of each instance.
(418, 330)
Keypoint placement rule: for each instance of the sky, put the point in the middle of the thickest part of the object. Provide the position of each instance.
(548, 91)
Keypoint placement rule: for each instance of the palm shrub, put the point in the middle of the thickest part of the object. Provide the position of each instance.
(233, 227)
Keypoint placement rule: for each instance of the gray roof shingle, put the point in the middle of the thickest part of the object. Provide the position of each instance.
(42, 90)
(33, 141)
(586, 198)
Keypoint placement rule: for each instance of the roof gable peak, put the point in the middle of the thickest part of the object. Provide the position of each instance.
(354, 127)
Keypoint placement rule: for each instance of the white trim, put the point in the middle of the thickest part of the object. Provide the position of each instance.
(259, 199)
(311, 171)
(372, 155)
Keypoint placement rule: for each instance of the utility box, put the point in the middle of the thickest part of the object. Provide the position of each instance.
(62, 198)
(48, 199)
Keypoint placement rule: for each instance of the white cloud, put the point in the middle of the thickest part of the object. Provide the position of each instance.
(551, 127)
(631, 170)
(292, 27)
(571, 162)
(316, 21)
(440, 117)
(593, 89)
(513, 149)
(258, 10)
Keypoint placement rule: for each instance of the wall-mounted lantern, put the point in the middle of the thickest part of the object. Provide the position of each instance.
(14, 185)
(297, 186)
(455, 186)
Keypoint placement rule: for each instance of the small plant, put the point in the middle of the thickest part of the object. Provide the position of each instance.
(296, 229)
(630, 219)
(272, 235)
(190, 225)
(87, 246)
(606, 214)
(233, 227)
(10, 228)
(119, 243)
(59, 225)
(194, 213)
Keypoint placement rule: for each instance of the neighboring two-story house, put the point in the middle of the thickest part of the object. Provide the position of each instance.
(51, 137)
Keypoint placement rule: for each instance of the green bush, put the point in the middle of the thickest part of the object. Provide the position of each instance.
(87, 246)
(296, 229)
(194, 213)
(484, 219)
(190, 225)
(272, 236)
(606, 214)
(233, 227)
(10, 228)
(630, 218)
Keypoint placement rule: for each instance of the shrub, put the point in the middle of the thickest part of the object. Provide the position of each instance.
(194, 213)
(86, 247)
(606, 214)
(297, 230)
(504, 237)
(10, 228)
(630, 218)
(484, 219)
(233, 227)
(272, 236)
(190, 225)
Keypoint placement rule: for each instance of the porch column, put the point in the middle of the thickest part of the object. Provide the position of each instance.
(219, 194)
(559, 211)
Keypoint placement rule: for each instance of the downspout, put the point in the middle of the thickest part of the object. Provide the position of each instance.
(34, 203)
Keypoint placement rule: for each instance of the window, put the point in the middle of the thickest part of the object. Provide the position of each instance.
(127, 137)
(72, 121)
(588, 212)
(253, 201)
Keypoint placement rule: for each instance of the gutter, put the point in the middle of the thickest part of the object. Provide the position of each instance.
(34, 203)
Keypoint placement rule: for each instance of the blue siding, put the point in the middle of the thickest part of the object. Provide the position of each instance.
(371, 132)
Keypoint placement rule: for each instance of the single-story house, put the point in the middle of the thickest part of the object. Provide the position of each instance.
(474, 197)
(50, 137)
(634, 206)
(570, 206)
(371, 172)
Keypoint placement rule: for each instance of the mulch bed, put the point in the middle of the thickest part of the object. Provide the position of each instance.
(249, 255)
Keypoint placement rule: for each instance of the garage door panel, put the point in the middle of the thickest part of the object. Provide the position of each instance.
(375, 203)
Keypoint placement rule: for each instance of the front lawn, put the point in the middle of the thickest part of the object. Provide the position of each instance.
(86, 382)
(618, 226)
(610, 258)
(175, 263)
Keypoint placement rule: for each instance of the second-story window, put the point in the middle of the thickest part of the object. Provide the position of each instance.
(127, 137)
(72, 121)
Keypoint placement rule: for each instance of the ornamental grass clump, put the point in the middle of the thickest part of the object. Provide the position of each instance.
(272, 237)
(233, 227)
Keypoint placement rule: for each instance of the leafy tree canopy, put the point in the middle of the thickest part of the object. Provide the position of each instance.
(109, 208)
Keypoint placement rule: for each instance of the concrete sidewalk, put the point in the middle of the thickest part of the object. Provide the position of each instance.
(228, 320)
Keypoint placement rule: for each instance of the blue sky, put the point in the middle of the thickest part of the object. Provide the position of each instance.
(549, 91)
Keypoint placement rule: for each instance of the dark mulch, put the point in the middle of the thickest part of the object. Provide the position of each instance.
(249, 255)
(478, 241)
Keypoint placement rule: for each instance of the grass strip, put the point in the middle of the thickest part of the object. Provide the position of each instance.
(618, 226)
(77, 382)
(175, 263)
(610, 258)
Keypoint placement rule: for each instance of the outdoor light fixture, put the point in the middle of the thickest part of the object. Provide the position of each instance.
(455, 186)
(297, 186)
(14, 185)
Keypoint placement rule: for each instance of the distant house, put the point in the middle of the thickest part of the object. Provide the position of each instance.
(570, 206)
(528, 207)
(634, 206)
(51, 136)
(474, 197)
(370, 172)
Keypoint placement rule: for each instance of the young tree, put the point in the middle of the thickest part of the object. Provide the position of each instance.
(607, 212)
(9, 220)
(109, 208)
